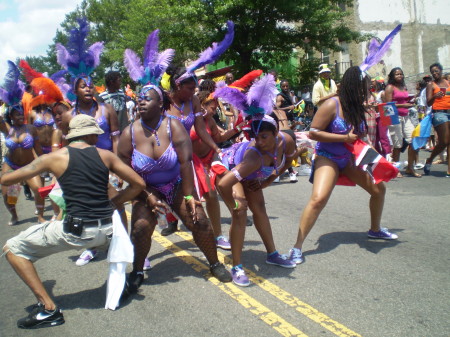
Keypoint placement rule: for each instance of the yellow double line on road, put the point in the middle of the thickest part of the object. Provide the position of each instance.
(255, 307)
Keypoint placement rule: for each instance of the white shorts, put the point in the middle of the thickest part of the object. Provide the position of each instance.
(401, 131)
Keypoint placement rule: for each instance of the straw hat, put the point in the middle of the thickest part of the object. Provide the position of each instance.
(83, 125)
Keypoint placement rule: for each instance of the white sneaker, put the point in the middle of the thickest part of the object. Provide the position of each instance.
(86, 257)
(304, 170)
(277, 180)
(293, 177)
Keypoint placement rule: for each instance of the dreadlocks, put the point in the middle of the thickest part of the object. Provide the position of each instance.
(352, 95)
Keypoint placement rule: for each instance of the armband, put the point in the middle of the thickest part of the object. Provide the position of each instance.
(198, 114)
(115, 133)
(236, 205)
(314, 129)
(188, 197)
(236, 174)
(237, 128)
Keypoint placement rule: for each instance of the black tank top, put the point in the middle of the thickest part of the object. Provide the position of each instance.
(85, 185)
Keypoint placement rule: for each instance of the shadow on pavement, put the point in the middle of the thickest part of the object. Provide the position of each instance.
(331, 241)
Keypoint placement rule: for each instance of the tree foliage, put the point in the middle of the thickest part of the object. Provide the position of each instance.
(267, 32)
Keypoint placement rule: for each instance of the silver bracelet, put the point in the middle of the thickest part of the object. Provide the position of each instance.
(314, 129)
(236, 174)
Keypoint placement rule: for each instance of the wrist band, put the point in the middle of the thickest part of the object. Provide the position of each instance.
(115, 133)
(188, 197)
(236, 205)
(237, 128)
(236, 174)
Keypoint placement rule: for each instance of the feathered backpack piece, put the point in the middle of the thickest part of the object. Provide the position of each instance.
(77, 57)
(13, 88)
(210, 54)
(49, 92)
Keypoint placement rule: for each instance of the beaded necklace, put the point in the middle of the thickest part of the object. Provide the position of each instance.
(153, 131)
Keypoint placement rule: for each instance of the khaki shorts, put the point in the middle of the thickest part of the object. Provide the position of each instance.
(49, 238)
(400, 131)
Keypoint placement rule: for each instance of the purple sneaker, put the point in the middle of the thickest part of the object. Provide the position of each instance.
(280, 260)
(86, 257)
(295, 255)
(222, 242)
(147, 265)
(239, 277)
(383, 234)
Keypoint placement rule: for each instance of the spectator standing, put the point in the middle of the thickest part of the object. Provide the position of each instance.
(116, 97)
(325, 87)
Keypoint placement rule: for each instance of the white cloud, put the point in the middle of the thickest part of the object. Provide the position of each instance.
(31, 31)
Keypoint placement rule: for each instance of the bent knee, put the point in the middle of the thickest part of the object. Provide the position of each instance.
(318, 202)
(378, 190)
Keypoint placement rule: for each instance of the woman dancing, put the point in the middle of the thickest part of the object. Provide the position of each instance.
(160, 151)
(338, 121)
(248, 167)
(21, 140)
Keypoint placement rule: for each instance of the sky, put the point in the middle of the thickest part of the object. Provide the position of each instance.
(27, 27)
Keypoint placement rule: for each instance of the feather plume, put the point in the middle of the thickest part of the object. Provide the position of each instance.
(13, 88)
(62, 55)
(232, 96)
(50, 91)
(262, 93)
(246, 80)
(95, 51)
(211, 54)
(162, 62)
(58, 75)
(29, 72)
(151, 47)
(133, 65)
(376, 52)
(77, 57)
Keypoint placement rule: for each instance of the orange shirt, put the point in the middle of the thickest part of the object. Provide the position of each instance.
(442, 103)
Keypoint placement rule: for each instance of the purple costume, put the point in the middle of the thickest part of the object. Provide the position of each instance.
(336, 151)
(104, 140)
(235, 155)
(187, 121)
(163, 174)
(26, 143)
(40, 122)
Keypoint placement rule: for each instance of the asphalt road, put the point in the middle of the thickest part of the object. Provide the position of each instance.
(348, 286)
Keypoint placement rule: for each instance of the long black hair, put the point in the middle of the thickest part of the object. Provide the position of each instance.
(353, 92)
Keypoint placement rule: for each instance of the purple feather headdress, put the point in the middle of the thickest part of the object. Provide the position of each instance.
(377, 50)
(154, 66)
(77, 57)
(13, 88)
(210, 54)
(257, 103)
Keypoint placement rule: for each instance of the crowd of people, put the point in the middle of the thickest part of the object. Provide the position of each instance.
(180, 140)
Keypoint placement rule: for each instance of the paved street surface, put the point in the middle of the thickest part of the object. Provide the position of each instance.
(348, 286)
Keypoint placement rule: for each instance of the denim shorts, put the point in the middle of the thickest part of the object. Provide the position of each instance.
(440, 118)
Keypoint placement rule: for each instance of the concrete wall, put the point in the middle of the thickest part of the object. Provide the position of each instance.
(423, 40)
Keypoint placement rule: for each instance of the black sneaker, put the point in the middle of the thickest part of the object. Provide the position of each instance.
(171, 228)
(39, 317)
(134, 281)
(220, 272)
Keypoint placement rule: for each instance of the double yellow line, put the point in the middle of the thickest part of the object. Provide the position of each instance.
(258, 309)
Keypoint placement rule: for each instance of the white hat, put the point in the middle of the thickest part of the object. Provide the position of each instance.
(323, 68)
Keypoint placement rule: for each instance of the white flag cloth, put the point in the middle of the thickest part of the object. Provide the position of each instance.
(119, 255)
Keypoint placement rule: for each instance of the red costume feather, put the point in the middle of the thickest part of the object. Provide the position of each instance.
(246, 80)
(29, 73)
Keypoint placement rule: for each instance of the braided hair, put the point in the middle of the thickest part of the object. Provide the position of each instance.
(352, 94)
